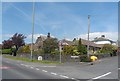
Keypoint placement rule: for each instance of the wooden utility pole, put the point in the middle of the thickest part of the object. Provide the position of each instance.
(33, 16)
(88, 36)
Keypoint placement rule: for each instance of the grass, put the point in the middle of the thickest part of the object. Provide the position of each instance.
(6, 51)
(29, 60)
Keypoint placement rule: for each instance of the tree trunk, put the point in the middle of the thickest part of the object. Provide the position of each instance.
(15, 51)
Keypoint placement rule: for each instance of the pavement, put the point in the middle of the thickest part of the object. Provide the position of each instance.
(106, 68)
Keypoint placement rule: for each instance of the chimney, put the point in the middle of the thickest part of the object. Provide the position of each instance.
(74, 39)
(48, 35)
(103, 36)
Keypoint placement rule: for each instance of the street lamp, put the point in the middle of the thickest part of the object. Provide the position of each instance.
(33, 16)
(88, 36)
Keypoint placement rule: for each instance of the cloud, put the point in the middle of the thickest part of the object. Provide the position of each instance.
(7, 35)
(110, 35)
(68, 39)
(36, 36)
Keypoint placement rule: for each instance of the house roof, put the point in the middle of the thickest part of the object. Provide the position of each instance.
(86, 42)
(102, 39)
(67, 42)
(41, 38)
(83, 41)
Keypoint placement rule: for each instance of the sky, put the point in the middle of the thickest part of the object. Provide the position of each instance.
(62, 19)
(60, 0)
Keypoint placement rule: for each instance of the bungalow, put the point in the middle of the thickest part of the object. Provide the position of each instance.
(103, 40)
(92, 46)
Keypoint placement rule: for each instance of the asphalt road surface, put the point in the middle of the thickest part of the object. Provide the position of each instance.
(103, 69)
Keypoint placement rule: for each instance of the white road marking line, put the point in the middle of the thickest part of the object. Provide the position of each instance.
(22, 64)
(31, 67)
(64, 76)
(37, 69)
(26, 65)
(102, 75)
(47, 66)
(44, 71)
(53, 73)
(72, 78)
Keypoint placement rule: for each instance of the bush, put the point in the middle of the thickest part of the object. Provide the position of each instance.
(39, 51)
(6, 51)
(55, 52)
(84, 58)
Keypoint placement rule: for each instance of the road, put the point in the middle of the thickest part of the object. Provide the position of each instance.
(103, 69)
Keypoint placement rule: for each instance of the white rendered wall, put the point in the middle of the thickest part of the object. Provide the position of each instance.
(103, 42)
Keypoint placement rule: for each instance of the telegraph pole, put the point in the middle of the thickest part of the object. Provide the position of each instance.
(88, 36)
(60, 49)
(33, 17)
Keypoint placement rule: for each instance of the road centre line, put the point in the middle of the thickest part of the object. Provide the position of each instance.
(31, 67)
(72, 78)
(26, 65)
(64, 76)
(47, 71)
(53, 73)
(44, 71)
(47, 66)
(37, 69)
(22, 64)
(102, 75)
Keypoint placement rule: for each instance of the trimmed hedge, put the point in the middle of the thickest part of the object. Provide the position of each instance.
(6, 51)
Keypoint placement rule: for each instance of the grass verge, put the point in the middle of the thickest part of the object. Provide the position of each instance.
(29, 60)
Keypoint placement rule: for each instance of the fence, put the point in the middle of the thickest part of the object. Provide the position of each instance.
(56, 57)
(50, 57)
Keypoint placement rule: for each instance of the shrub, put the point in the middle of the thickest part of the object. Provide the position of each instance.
(84, 58)
(6, 51)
